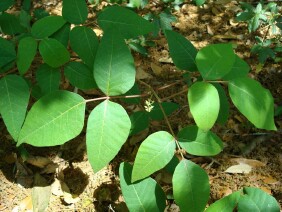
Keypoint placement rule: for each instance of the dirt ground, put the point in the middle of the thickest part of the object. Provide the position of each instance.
(75, 187)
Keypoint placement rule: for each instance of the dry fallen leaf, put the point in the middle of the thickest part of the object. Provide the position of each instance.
(270, 180)
(240, 168)
(156, 69)
(250, 162)
(141, 74)
(38, 161)
(70, 199)
(56, 188)
(25, 205)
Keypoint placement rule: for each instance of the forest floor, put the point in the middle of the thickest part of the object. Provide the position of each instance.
(73, 184)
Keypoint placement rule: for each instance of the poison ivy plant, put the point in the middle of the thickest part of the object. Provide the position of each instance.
(55, 54)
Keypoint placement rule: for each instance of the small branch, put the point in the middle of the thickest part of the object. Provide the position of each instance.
(116, 97)
(217, 81)
(176, 94)
(165, 116)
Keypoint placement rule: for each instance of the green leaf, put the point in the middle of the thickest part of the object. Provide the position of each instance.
(125, 22)
(144, 195)
(253, 101)
(48, 79)
(87, 49)
(204, 105)
(133, 91)
(107, 130)
(25, 19)
(114, 70)
(7, 67)
(166, 18)
(7, 52)
(215, 61)
(199, 2)
(198, 142)
(40, 13)
(80, 75)
(239, 69)
(157, 114)
(54, 119)
(75, 11)
(256, 200)
(224, 105)
(63, 34)
(225, 204)
(26, 53)
(182, 51)
(154, 153)
(10, 24)
(139, 121)
(53, 52)
(14, 97)
(191, 187)
(47, 26)
(6, 4)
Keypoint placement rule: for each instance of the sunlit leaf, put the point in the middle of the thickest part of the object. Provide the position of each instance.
(154, 153)
(125, 22)
(253, 101)
(225, 204)
(204, 104)
(191, 187)
(144, 195)
(60, 112)
(256, 200)
(215, 61)
(107, 130)
(14, 97)
(198, 142)
(114, 70)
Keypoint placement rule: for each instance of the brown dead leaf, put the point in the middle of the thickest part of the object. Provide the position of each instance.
(141, 74)
(250, 162)
(156, 69)
(50, 168)
(209, 30)
(11, 158)
(270, 180)
(38, 161)
(239, 169)
(25, 204)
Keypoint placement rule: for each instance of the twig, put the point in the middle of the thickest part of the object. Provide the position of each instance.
(165, 116)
